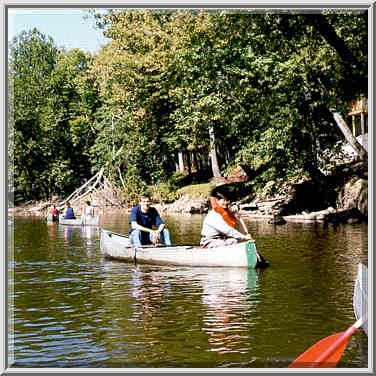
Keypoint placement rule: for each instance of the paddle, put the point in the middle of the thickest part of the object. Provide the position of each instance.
(327, 352)
(261, 262)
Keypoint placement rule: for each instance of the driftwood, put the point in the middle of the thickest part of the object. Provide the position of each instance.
(357, 146)
(97, 189)
(121, 178)
(84, 189)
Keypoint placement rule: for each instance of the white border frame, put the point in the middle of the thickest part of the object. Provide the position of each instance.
(188, 4)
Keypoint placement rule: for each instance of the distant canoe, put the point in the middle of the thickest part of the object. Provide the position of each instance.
(118, 247)
(52, 218)
(82, 221)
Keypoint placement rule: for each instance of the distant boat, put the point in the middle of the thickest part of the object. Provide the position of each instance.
(82, 221)
(117, 246)
(52, 218)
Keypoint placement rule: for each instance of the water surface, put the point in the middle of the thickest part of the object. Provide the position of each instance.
(70, 307)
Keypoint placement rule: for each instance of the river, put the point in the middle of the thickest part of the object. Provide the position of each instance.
(71, 308)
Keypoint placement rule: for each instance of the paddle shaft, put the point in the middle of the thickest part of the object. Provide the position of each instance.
(245, 229)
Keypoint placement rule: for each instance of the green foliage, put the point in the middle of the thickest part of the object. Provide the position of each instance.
(164, 192)
(54, 106)
(264, 82)
(32, 58)
(134, 188)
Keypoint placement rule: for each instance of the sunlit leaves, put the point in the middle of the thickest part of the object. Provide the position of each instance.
(264, 82)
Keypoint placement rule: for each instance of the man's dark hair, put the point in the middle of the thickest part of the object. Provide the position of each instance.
(219, 196)
(220, 192)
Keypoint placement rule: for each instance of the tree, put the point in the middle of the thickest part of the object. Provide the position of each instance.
(54, 107)
(32, 58)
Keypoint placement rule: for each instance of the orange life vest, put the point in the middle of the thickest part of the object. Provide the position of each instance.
(227, 214)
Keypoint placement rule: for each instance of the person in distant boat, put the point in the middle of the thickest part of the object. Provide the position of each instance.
(54, 210)
(142, 219)
(88, 210)
(69, 213)
(218, 229)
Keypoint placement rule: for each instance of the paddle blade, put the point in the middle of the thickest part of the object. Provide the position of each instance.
(325, 353)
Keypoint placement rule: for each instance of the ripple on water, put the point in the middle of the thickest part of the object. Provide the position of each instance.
(72, 308)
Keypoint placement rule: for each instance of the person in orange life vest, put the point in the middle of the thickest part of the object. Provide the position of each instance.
(54, 210)
(218, 229)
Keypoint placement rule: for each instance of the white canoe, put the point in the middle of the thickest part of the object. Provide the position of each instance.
(52, 218)
(82, 221)
(118, 247)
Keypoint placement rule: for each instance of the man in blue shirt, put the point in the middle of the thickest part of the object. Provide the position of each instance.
(142, 219)
(69, 213)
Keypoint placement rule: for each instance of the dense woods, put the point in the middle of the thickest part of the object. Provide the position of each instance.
(183, 92)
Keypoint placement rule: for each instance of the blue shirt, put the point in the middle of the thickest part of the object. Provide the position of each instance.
(148, 220)
(69, 214)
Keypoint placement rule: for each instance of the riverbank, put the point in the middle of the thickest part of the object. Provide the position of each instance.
(350, 205)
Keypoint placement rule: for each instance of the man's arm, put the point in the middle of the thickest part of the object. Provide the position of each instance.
(158, 222)
(161, 228)
(136, 226)
(217, 222)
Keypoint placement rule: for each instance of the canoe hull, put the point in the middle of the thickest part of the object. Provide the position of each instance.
(83, 221)
(52, 218)
(118, 247)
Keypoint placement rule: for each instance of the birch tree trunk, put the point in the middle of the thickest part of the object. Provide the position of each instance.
(358, 148)
(181, 161)
(213, 154)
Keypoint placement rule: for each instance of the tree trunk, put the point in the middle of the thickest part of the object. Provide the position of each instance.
(189, 162)
(195, 166)
(358, 148)
(213, 154)
(181, 162)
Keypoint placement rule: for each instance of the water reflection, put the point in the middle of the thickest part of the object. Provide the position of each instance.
(150, 290)
(90, 234)
(71, 307)
(68, 235)
(52, 230)
(227, 293)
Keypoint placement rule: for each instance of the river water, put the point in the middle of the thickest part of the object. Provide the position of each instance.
(69, 307)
